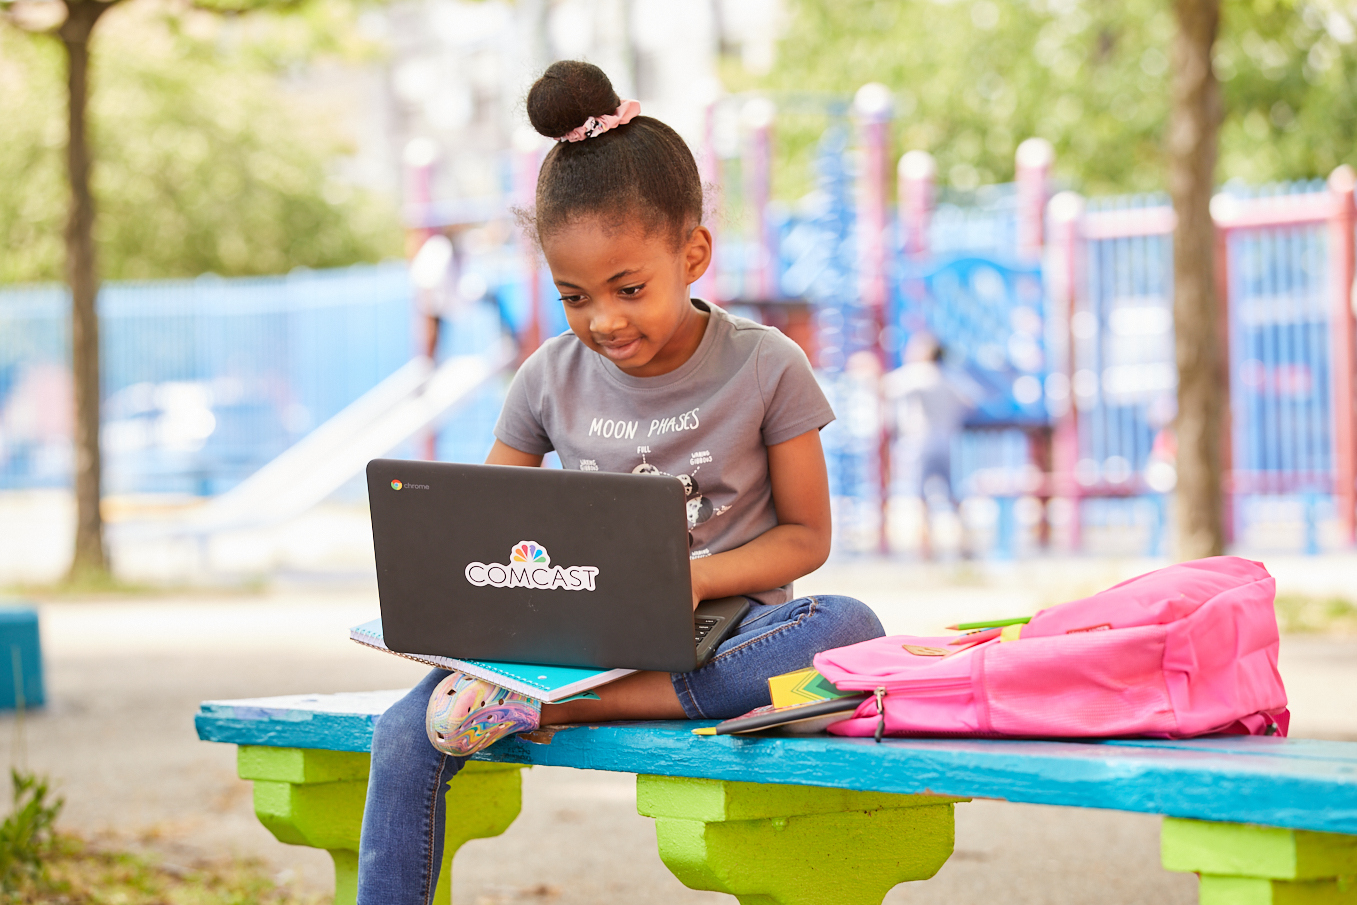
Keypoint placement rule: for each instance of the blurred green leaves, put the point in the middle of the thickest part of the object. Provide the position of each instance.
(212, 154)
(1289, 70)
(28, 833)
(973, 78)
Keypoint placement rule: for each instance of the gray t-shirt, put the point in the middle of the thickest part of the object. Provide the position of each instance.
(708, 423)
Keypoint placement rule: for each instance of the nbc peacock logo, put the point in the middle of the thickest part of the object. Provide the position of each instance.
(529, 551)
(529, 566)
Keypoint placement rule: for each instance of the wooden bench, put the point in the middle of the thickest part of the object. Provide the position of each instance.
(1262, 820)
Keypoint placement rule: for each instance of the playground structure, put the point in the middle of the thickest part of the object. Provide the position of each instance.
(1059, 307)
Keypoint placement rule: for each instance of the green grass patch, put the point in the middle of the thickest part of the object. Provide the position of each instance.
(1302, 614)
(38, 864)
(28, 833)
(77, 872)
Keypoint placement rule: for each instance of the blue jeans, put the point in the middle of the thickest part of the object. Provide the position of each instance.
(401, 846)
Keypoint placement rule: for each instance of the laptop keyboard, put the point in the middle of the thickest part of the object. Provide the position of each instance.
(702, 627)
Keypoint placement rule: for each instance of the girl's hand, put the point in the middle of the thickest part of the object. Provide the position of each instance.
(695, 565)
(796, 546)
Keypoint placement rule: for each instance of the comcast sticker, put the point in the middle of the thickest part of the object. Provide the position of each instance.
(529, 566)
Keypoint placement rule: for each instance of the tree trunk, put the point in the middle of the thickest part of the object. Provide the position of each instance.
(1203, 384)
(90, 558)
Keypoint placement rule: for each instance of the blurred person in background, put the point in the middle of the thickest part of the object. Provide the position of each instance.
(926, 406)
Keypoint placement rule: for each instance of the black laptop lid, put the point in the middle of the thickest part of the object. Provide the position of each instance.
(532, 565)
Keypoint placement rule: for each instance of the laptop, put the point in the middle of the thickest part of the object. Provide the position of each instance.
(539, 565)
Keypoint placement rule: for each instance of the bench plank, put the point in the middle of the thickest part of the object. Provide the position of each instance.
(1300, 784)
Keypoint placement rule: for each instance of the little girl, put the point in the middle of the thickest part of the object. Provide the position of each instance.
(725, 405)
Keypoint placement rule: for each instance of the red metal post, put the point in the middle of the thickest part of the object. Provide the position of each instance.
(1032, 165)
(420, 154)
(1222, 267)
(527, 162)
(915, 173)
(419, 157)
(758, 115)
(709, 166)
(1067, 212)
(873, 107)
(1034, 158)
(1344, 357)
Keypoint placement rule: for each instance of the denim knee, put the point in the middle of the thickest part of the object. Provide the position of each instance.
(847, 620)
(399, 732)
(779, 639)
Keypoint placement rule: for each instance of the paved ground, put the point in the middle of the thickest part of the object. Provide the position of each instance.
(126, 675)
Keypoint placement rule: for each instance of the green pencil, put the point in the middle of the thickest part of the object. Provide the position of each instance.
(990, 623)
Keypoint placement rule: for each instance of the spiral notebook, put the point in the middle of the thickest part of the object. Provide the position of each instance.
(549, 684)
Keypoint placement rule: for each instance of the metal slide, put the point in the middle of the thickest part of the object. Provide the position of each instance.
(409, 401)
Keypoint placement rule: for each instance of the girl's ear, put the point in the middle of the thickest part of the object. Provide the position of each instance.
(696, 254)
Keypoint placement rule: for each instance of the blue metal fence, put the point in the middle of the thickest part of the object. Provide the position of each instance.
(1122, 373)
(1279, 343)
(1123, 376)
(206, 380)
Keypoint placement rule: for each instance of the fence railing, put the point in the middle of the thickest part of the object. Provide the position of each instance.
(204, 381)
(1064, 315)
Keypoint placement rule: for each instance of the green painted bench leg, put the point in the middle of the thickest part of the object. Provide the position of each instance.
(1241, 864)
(795, 845)
(315, 798)
(483, 800)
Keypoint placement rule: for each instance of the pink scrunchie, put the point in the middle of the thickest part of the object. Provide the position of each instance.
(595, 126)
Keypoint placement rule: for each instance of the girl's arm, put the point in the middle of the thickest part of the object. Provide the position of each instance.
(503, 454)
(796, 546)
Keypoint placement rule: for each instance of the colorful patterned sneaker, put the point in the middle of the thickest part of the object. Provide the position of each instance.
(467, 714)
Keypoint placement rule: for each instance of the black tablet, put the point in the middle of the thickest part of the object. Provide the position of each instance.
(798, 719)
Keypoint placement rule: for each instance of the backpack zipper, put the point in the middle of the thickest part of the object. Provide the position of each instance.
(880, 712)
(938, 686)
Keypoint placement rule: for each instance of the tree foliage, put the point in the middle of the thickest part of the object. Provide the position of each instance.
(209, 157)
(973, 78)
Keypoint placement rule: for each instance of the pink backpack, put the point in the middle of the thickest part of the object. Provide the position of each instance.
(1183, 651)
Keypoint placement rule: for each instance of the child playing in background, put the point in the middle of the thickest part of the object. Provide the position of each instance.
(926, 408)
(725, 405)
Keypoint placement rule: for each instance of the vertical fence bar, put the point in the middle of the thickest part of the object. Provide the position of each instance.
(1316, 355)
(1341, 266)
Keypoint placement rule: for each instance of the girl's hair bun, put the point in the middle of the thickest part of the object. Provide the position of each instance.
(639, 173)
(567, 94)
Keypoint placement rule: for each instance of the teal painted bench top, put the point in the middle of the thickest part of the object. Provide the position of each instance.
(1296, 783)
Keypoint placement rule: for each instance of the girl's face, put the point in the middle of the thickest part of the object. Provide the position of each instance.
(626, 292)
